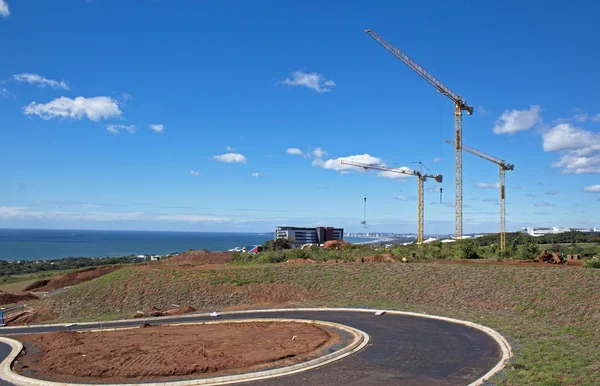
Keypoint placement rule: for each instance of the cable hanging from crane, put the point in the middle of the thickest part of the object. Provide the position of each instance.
(421, 179)
(364, 221)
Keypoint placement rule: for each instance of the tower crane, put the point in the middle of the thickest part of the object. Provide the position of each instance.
(460, 105)
(504, 166)
(421, 178)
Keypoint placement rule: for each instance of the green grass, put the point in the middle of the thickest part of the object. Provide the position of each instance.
(550, 315)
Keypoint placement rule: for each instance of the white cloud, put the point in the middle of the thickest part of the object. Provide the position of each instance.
(552, 192)
(40, 81)
(194, 173)
(311, 80)
(229, 148)
(231, 158)
(191, 218)
(482, 111)
(336, 164)
(517, 187)
(294, 151)
(437, 159)
(513, 121)
(4, 11)
(5, 93)
(406, 198)
(485, 185)
(592, 189)
(318, 152)
(255, 174)
(115, 128)
(157, 127)
(595, 118)
(95, 108)
(579, 148)
(400, 174)
(11, 211)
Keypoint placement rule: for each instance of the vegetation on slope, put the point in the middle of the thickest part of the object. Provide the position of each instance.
(551, 316)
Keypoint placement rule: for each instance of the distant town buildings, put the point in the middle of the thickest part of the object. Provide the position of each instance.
(302, 235)
(541, 231)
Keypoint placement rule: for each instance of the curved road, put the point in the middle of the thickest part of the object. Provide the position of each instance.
(404, 350)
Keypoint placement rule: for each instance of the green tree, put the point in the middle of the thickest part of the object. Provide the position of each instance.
(466, 249)
(281, 244)
(529, 251)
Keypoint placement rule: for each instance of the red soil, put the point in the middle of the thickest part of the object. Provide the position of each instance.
(12, 298)
(69, 279)
(198, 258)
(168, 353)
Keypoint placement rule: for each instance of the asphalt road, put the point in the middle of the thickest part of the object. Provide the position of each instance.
(404, 350)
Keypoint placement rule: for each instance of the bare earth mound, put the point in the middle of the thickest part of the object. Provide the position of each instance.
(69, 279)
(198, 258)
(169, 352)
(10, 298)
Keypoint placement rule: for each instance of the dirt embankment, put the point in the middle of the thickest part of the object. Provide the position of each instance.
(12, 298)
(69, 279)
(198, 258)
(166, 353)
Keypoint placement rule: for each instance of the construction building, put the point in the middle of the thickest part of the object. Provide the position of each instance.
(302, 235)
(538, 231)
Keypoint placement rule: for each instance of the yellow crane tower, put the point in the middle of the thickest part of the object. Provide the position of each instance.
(503, 168)
(421, 177)
(459, 105)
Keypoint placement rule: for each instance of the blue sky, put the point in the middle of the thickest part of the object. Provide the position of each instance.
(232, 115)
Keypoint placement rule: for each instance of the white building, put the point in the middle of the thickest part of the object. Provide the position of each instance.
(538, 231)
(302, 235)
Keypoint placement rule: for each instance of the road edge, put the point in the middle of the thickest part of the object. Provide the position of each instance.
(361, 339)
(505, 347)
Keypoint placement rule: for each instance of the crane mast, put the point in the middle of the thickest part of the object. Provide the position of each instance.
(504, 166)
(421, 180)
(460, 105)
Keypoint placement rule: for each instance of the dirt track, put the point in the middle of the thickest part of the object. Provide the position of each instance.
(169, 352)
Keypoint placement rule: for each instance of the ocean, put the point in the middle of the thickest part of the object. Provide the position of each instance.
(45, 244)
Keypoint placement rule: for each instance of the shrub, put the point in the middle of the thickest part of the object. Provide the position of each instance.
(466, 249)
(594, 262)
(529, 251)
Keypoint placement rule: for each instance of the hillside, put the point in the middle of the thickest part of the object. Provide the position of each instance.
(551, 316)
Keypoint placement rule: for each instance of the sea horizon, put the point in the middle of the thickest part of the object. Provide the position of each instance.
(50, 244)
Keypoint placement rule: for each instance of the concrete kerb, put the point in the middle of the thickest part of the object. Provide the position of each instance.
(361, 339)
(500, 340)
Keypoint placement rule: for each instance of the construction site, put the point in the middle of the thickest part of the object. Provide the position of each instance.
(501, 309)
